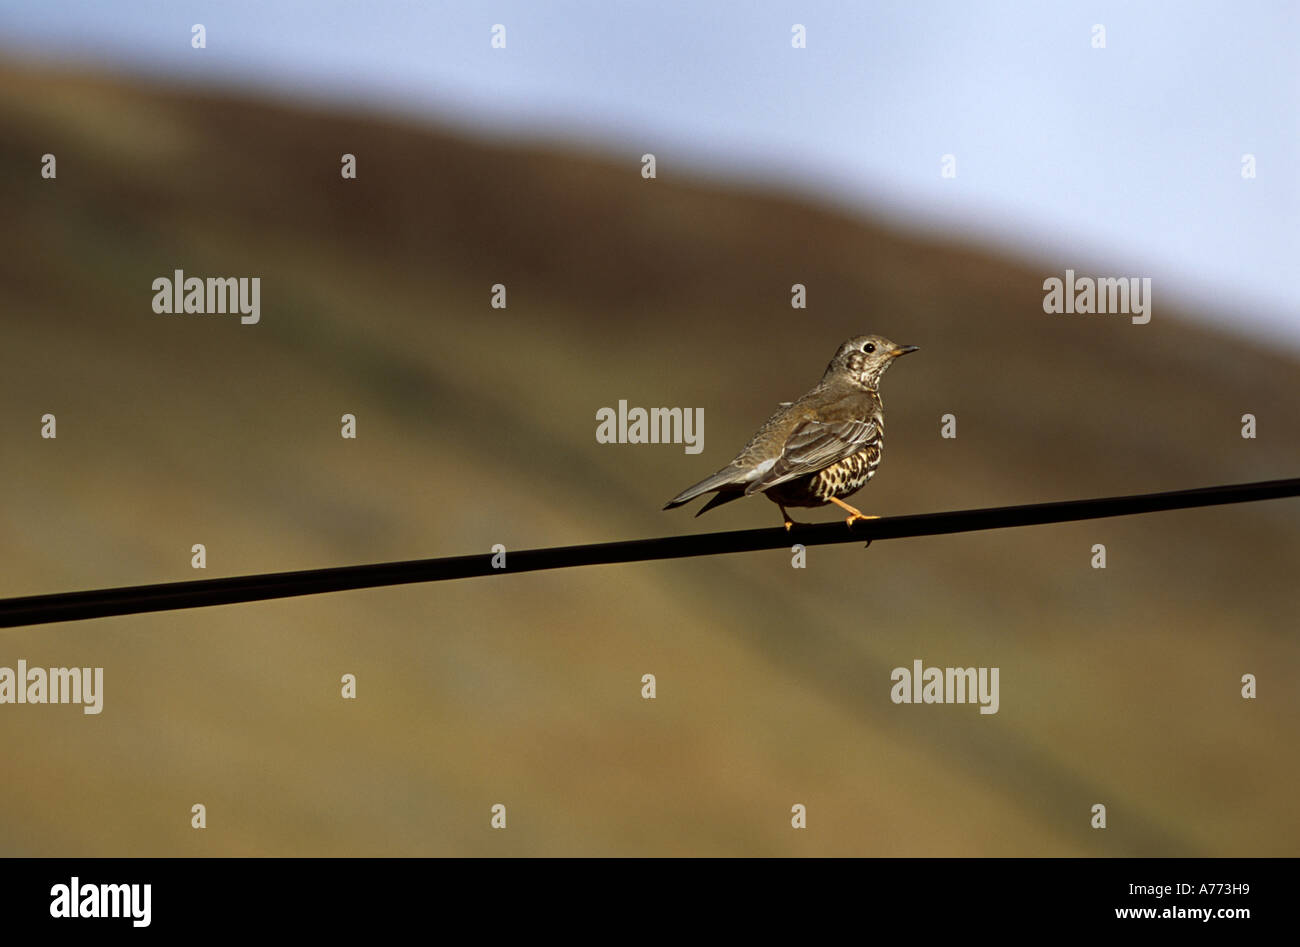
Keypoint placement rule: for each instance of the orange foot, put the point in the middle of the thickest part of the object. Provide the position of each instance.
(854, 514)
(789, 523)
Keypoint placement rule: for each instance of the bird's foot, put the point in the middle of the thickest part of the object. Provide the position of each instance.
(854, 514)
(789, 523)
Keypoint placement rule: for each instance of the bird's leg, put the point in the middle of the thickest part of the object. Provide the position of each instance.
(854, 515)
(789, 523)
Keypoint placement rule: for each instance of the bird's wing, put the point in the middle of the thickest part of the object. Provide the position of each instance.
(816, 445)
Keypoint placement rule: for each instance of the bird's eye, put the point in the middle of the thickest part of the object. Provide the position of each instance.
(869, 347)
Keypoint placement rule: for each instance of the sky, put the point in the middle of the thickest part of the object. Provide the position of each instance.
(1127, 158)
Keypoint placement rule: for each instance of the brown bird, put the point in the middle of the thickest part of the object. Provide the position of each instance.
(819, 449)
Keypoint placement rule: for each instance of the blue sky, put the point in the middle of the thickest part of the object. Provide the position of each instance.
(1125, 160)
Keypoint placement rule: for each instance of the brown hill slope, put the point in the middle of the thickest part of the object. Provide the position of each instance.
(476, 426)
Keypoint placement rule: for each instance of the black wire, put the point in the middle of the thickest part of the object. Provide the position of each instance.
(71, 606)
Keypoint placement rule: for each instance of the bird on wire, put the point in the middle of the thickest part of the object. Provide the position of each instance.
(819, 449)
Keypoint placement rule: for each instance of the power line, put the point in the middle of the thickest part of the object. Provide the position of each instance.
(73, 606)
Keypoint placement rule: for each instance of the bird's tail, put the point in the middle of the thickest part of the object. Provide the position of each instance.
(720, 498)
(724, 477)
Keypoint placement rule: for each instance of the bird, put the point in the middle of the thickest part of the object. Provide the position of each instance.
(816, 450)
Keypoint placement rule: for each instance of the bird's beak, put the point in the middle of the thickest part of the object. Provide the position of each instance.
(903, 350)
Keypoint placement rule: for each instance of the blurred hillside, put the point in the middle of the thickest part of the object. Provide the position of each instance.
(476, 426)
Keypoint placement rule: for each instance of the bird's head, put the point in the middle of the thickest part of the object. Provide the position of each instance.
(864, 359)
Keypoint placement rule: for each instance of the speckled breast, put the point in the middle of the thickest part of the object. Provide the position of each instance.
(839, 480)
